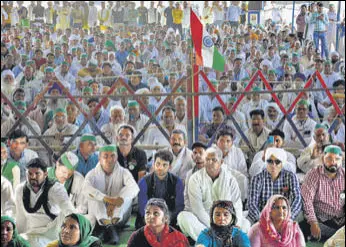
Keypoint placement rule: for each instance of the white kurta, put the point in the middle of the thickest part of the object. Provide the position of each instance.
(258, 164)
(77, 198)
(202, 193)
(240, 119)
(121, 184)
(305, 128)
(154, 136)
(235, 159)
(39, 228)
(247, 108)
(305, 162)
(8, 205)
(182, 163)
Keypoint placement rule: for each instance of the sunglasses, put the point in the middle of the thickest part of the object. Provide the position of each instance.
(271, 162)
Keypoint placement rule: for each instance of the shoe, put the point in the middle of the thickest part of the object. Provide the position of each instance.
(105, 222)
(113, 237)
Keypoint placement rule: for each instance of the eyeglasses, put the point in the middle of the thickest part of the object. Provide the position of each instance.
(271, 162)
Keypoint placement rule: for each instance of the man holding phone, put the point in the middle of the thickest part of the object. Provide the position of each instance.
(276, 139)
(320, 20)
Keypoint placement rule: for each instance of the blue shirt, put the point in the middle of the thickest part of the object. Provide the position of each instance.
(233, 13)
(84, 166)
(121, 57)
(58, 60)
(103, 119)
(239, 238)
(17, 70)
(262, 187)
(320, 25)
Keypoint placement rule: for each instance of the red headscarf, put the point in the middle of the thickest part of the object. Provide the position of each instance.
(289, 228)
(168, 239)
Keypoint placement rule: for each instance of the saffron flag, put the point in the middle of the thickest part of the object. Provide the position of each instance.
(207, 54)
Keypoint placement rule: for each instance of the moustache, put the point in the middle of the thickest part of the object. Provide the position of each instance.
(176, 144)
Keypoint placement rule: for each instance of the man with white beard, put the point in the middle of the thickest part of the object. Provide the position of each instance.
(8, 83)
(117, 118)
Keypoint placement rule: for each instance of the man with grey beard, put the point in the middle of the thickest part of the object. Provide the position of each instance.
(311, 157)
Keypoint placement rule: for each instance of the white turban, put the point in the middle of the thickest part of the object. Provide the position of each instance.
(274, 105)
(6, 73)
(156, 84)
(267, 63)
(143, 91)
(278, 153)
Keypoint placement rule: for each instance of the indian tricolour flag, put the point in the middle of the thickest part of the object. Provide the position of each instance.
(207, 54)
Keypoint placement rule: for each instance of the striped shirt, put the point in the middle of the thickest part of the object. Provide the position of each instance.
(262, 187)
(324, 198)
(320, 25)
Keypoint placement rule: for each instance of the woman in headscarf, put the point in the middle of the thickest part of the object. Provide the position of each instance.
(275, 227)
(223, 231)
(157, 232)
(76, 231)
(9, 234)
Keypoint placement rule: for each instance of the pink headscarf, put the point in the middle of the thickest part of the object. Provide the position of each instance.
(289, 228)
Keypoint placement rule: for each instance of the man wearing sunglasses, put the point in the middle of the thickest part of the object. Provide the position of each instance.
(273, 180)
(276, 139)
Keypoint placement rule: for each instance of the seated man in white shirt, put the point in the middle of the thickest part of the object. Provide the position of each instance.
(153, 134)
(258, 133)
(303, 123)
(276, 139)
(213, 182)
(110, 190)
(311, 157)
(182, 156)
(232, 156)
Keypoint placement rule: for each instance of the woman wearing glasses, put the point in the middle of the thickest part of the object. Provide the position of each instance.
(275, 227)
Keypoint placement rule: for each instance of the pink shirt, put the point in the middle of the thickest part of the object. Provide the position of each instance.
(257, 238)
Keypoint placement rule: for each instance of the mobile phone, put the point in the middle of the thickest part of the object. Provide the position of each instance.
(270, 140)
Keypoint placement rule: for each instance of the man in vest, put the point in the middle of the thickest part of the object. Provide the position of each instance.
(161, 184)
(40, 205)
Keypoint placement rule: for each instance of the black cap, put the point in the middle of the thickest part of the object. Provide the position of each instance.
(198, 145)
(37, 163)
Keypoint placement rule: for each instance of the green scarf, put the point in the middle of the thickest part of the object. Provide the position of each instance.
(17, 240)
(85, 229)
(67, 184)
